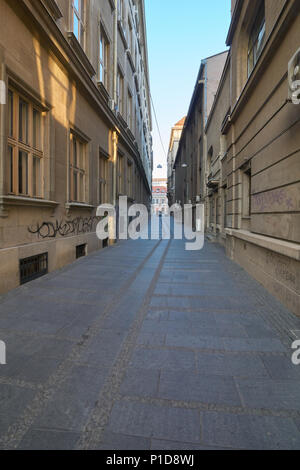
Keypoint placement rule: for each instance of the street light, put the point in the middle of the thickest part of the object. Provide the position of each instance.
(184, 166)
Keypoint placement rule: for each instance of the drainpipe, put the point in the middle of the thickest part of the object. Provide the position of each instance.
(115, 133)
(3, 146)
(205, 137)
(115, 56)
(115, 161)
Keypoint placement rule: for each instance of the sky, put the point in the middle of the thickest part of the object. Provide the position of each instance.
(180, 34)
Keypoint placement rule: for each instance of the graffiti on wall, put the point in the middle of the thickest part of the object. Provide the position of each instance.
(64, 228)
(282, 266)
(268, 201)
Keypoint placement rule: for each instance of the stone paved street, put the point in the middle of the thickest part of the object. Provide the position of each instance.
(147, 346)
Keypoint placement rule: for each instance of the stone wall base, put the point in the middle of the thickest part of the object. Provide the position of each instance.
(278, 273)
(61, 251)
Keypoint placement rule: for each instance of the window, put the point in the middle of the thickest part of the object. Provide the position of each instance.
(257, 38)
(78, 21)
(25, 149)
(77, 169)
(103, 59)
(129, 178)
(121, 11)
(225, 207)
(211, 210)
(120, 92)
(10, 113)
(121, 174)
(103, 179)
(130, 36)
(129, 110)
(218, 210)
(246, 184)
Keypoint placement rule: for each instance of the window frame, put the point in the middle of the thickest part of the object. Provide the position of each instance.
(121, 174)
(103, 58)
(78, 194)
(257, 39)
(246, 193)
(120, 92)
(129, 109)
(103, 177)
(81, 18)
(19, 184)
(129, 178)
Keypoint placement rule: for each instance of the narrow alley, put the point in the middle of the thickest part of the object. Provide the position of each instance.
(144, 345)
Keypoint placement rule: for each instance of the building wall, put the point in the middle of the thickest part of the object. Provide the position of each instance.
(216, 174)
(262, 164)
(248, 150)
(46, 67)
(191, 180)
(176, 132)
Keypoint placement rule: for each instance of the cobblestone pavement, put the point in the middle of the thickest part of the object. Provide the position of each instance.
(144, 345)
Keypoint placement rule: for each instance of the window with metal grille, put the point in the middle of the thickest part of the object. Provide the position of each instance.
(33, 267)
(80, 251)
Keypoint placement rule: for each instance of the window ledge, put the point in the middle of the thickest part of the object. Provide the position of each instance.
(129, 55)
(10, 201)
(122, 33)
(79, 205)
(76, 46)
(103, 91)
(290, 249)
(53, 9)
(26, 201)
(122, 121)
(129, 132)
(136, 80)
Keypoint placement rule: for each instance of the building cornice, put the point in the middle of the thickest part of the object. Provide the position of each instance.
(75, 45)
(53, 8)
(234, 21)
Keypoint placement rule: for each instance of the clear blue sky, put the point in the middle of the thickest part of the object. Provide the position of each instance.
(180, 33)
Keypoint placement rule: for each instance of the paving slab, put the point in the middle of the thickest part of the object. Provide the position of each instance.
(147, 346)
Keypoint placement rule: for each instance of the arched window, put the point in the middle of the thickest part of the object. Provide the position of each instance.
(257, 38)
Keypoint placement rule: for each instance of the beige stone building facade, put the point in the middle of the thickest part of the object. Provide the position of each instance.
(252, 179)
(190, 163)
(175, 136)
(75, 127)
(263, 147)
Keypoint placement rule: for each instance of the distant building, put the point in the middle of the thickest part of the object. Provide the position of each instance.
(159, 196)
(173, 147)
